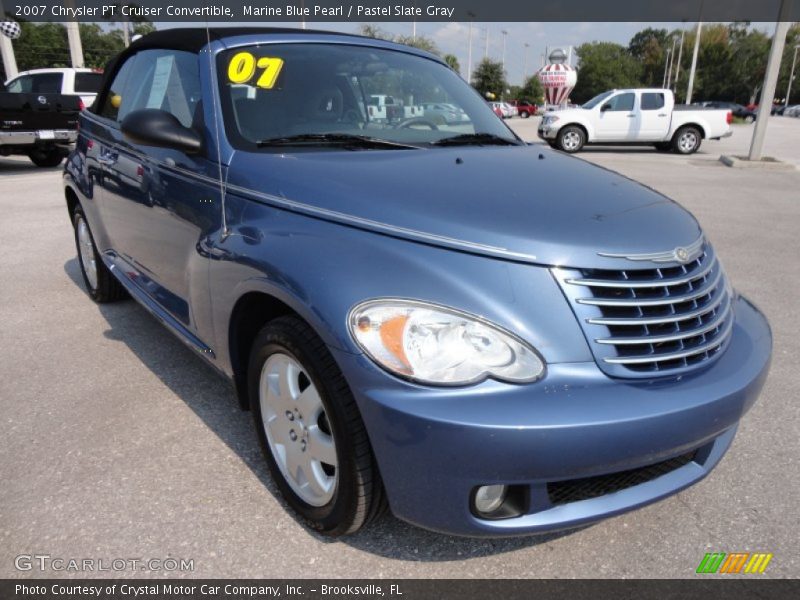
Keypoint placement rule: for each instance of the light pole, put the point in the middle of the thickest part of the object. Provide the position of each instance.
(469, 50)
(486, 48)
(666, 69)
(680, 55)
(791, 76)
(671, 60)
(525, 64)
(505, 33)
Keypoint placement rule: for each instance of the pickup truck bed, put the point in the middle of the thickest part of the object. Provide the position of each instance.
(40, 126)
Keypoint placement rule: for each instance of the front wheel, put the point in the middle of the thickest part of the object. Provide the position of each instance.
(524, 114)
(571, 139)
(749, 119)
(310, 429)
(687, 140)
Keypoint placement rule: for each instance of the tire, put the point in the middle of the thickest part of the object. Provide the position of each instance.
(524, 114)
(101, 285)
(749, 119)
(50, 157)
(332, 499)
(663, 146)
(570, 139)
(687, 140)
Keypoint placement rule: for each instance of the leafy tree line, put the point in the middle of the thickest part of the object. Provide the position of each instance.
(731, 63)
(44, 45)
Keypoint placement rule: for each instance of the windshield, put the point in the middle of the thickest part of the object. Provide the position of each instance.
(597, 99)
(313, 91)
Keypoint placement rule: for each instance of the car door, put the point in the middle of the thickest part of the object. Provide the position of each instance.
(158, 204)
(617, 120)
(654, 117)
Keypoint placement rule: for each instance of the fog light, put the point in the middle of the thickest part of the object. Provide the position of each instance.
(489, 498)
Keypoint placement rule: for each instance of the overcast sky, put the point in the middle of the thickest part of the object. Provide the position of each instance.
(452, 38)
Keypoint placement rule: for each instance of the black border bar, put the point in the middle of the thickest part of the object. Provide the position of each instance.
(359, 11)
(734, 587)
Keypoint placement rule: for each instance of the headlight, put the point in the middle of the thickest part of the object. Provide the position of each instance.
(438, 345)
(549, 120)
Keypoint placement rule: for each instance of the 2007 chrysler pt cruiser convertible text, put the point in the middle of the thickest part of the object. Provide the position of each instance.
(488, 338)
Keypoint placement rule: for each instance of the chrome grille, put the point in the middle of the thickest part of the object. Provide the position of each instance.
(658, 321)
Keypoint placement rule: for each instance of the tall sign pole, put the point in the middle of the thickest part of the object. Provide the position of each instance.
(690, 86)
(770, 80)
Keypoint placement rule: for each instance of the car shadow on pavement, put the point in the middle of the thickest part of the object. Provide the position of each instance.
(22, 166)
(211, 397)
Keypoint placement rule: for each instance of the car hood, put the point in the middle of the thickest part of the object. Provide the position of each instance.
(525, 203)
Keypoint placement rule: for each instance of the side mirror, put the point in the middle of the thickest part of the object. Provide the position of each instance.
(154, 127)
(605, 107)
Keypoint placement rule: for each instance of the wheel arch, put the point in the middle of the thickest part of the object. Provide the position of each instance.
(696, 125)
(250, 313)
(72, 200)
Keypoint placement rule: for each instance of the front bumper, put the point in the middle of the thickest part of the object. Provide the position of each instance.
(434, 446)
(547, 132)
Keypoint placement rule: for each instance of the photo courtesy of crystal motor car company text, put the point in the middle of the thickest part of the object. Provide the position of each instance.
(424, 313)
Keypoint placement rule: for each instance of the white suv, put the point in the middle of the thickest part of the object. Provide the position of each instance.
(71, 82)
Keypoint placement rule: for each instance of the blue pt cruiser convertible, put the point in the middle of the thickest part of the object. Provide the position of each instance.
(487, 337)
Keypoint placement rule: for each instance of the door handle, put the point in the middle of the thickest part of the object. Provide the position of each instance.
(631, 116)
(662, 114)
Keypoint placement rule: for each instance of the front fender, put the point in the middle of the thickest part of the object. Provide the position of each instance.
(322, 269)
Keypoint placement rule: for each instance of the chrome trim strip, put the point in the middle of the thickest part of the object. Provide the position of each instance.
(362, 223)
(665, 256)
(637, 302)
(699, 312)
(608, 283)
(652, 358)
(681, 335)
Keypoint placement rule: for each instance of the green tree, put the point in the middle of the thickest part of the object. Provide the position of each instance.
(792, 40)
(532, 90)
(604, 66)
(420, 42)
(375, 32)
(649, 48)
(452, 62)
(489, 78)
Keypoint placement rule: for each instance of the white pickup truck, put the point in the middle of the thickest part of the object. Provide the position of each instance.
(639, 116)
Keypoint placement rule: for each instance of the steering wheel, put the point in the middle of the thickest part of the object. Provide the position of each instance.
(416, 121)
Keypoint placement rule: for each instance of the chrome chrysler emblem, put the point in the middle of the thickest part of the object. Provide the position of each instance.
(681, 254)
(42, 100)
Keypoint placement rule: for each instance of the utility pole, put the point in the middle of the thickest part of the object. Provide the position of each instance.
(666, 69)
(680, 55)
(7, 51)
(486, 49)
(505, 33)
(690, 86)
(791, 76)
(469, 51)
(770, 80)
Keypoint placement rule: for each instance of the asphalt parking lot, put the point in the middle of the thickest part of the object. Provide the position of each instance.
(119, 442)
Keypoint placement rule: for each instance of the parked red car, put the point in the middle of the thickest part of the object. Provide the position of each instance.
(526, 108)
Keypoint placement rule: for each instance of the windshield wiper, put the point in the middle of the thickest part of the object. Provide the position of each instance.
(476, 139)
(340, 139)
